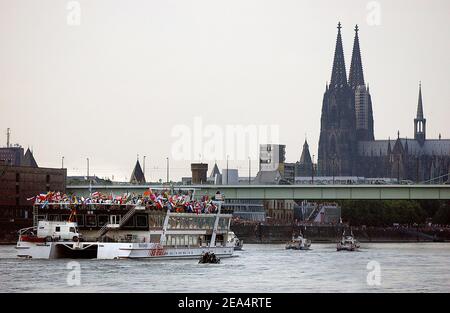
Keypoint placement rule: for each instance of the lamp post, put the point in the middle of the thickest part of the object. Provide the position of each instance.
(143, 164)
(227, 168)
(87, 159)
(312, 171)
(249, 170)
(167, 169)
(62, 162)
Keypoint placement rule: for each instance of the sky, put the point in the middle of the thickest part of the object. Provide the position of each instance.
(112, 80)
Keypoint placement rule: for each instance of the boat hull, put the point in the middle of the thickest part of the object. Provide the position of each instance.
(347, 247)
(113, 250)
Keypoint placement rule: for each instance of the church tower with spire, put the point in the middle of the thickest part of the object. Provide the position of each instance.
(337, 143)
(347, 145)
(361, 95)
(420, 122)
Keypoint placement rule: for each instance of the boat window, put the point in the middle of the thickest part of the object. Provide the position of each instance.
(91, 221)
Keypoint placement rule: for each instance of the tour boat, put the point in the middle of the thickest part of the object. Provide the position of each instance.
(299, 243)
(348, 243)
(171, 235)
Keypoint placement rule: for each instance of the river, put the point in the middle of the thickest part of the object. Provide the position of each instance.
(393, 267)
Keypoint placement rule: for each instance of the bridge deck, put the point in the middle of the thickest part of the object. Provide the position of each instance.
(287, 192)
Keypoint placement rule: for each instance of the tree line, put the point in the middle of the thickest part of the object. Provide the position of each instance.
(388, 212)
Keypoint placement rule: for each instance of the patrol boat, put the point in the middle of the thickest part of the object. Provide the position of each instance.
(237, 243)
(347, 243)
(299, 243)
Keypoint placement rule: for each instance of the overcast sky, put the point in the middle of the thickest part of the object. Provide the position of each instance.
(133, 72)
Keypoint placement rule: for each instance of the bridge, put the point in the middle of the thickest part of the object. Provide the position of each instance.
(286, 192)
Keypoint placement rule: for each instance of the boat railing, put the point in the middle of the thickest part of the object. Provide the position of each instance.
(23, 231)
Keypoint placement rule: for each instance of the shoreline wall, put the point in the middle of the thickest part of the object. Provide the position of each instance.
(326, 233)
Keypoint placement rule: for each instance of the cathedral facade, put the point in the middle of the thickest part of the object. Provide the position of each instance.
(347, 145)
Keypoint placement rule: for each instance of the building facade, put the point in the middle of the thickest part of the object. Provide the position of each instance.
(280, 211)
(347, 145)
(17, 185)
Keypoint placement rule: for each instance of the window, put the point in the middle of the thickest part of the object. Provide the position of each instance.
(57, 229)
(53, 217)
(102, 220)
(80, 220)
(72, 230)
(141, 221)
(91, 221)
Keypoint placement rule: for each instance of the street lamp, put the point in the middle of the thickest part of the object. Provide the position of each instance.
(249, 170)
(62, 162)
(167, 169)
(143, 164)
(227, 168)
(87, 159)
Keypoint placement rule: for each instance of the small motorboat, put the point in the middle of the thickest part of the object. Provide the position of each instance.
(348, 243)
(235, 241)
(209, 257)
(299, 243)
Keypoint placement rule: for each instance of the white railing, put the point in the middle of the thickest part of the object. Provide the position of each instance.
(122, 222)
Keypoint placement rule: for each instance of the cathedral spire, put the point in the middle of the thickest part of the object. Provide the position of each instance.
(338, 75)
(356, 76)
(420, 122)
(305, 158)
(419, 104)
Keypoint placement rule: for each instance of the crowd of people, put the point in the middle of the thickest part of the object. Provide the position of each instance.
(160, 200)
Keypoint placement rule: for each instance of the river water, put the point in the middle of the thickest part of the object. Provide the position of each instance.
(403, 267)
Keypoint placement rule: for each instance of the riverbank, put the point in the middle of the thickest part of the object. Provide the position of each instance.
(257, 233)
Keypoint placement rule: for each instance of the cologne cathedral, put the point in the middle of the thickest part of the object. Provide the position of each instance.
(347, 145)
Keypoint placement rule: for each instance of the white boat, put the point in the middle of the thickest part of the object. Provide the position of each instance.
(235, 241)
(176, 236)
(299, 243)
(348, 243)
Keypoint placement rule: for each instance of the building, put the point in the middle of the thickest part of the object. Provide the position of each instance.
(316, 212)
(215, 177)
(347, 145)
(230, 176)
(271, 157)
(17, 185)
(199, 173)
(305, 167)
(246, 210)
(273, 168)
(137, 176)
(11, 155)
(280, 211)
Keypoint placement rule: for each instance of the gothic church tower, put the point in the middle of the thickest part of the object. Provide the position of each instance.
(337, 143)
(361, 95)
